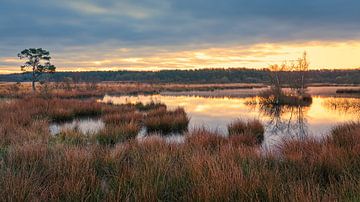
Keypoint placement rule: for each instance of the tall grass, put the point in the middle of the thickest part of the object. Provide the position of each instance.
(122, 117)
(165, 122)
(85, 90)
(206, 167)
(251, 131)
(118, 133)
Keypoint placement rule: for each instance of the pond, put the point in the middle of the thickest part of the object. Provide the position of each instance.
(280, 123)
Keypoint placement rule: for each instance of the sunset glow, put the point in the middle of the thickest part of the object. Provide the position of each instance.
(156, 35)
(322, 55)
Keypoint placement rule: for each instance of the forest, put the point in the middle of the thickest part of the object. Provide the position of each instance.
(238, 75)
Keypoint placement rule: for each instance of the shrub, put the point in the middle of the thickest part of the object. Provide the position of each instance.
(269, 97)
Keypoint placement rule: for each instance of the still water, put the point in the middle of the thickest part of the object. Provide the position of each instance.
(280, 123)
(87, 126)
(315, 120)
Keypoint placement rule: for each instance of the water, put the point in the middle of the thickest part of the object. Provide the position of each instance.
(215, 114)
(171, 138)
(91, 126)
(6, 100)
(87, 126)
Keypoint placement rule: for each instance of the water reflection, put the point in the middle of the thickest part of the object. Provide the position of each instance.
(286, 119)
(86, 126)
(170, 138)
(280, 122)
(344, 105)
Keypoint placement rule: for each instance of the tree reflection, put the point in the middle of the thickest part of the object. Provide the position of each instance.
(284, 120)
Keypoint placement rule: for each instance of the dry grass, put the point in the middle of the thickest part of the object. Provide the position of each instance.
(121, 118)
(71, 137)
(164, 122)
(206, 167)
(270, 97)
(114, 134)
(83, 90)
(251, 131)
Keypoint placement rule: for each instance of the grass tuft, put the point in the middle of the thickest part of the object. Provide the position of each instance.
(118, 133)
(165, 122)
(251, 131)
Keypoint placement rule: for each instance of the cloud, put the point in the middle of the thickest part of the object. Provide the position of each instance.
(102, 26)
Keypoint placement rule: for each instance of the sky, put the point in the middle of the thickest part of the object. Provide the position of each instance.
(86, 35)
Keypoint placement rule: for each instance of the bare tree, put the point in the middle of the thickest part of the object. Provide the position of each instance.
(292, 74)
(298, 75)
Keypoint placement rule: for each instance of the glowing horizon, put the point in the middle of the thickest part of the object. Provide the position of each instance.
(88, 35)
(322, 55)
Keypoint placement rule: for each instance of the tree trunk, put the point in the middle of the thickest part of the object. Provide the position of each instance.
(33, 80)
(33, 86)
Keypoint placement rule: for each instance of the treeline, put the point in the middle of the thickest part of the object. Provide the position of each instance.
(190, 76)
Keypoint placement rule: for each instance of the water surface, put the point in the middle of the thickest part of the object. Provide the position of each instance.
(215, 114)
(87, 126)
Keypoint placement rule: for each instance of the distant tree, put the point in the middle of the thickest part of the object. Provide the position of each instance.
(38, 61)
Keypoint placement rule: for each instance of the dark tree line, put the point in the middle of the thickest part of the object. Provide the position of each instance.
(191, 76)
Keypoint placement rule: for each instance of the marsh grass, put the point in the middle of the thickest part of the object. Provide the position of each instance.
(85, 90)
(114, 134)
(149, 106)
(251, 131)
(122, 118)
(206, 167)
(71, 137)
(165, 122)
(269, 97)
